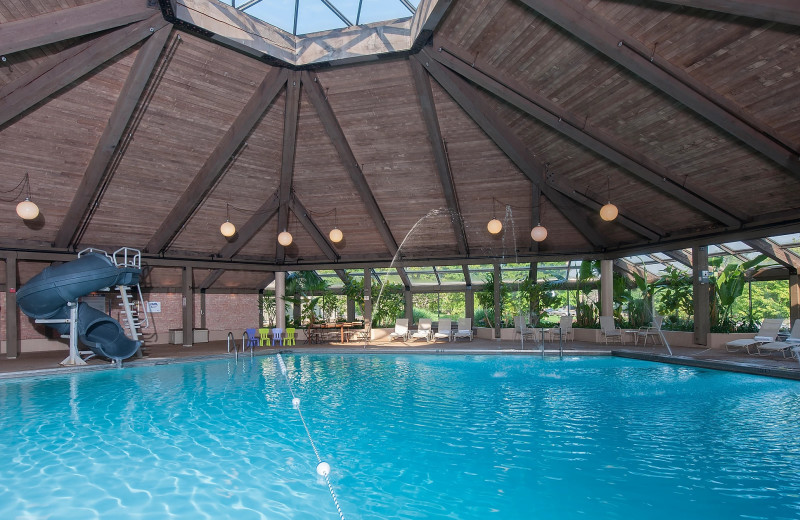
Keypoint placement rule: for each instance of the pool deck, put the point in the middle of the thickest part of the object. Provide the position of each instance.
(43, 363)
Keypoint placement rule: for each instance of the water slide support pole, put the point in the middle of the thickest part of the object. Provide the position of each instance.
(74, 358)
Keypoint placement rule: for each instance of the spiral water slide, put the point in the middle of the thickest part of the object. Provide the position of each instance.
(48, 294)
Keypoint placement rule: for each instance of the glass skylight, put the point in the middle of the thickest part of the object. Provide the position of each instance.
(321, 15)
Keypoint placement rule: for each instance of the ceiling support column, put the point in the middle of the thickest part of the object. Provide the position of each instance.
(533, 306)
(794, 298)
(606, 288)
(701, 295)
(12, 311)
(469, 303)
(409, 306)
(498, 306)
(188, 306)
(368, 298)
(280, 303)
(351, 309)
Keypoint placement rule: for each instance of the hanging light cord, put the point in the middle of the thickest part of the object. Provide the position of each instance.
(19, 189)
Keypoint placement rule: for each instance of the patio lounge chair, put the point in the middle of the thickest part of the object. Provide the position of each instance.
(400, 329)
(767, 333)
(464, 329)
(784, 347)
(653, 331)
(424, 330)
(521, 329)
(564, 329)
(444, 330)
(609, 331)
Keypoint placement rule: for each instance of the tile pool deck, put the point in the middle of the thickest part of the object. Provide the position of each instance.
(48, 362)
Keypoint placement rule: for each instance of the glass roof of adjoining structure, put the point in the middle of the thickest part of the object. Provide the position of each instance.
(655, 264)
(310, 16)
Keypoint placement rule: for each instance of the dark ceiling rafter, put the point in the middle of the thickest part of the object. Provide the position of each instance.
(311, 228)
(334, 130)
(129, 97)
(213, 168)
(425, 98)
(19, 95)
(403, 277)
(249, 229)
(209, 280)
(467, 277)
(781, 11)
(785, 257)
(287, 156)
(577, 129)
(681, 256)
(77, 21)
(510, 144)
(631, 54)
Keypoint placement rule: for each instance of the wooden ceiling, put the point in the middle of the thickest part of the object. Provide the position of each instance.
(140, 129)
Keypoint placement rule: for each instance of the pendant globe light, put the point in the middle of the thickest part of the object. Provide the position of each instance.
(27, 209)
(609, 212)
(227, 228)
(494, 226)
(336, 234)
(539, 232)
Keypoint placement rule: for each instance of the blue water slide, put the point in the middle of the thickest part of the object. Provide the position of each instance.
(47, 294)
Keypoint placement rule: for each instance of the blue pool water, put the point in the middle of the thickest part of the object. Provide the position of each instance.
(408, 437)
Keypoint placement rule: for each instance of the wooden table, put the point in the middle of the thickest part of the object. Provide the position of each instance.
(341, 326)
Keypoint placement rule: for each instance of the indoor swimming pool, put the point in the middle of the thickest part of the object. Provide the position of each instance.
(425, 436)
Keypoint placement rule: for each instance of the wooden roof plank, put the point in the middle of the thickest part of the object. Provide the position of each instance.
(70, 23)
(339, 140)
(128, 98)
(38, 85)
(679, 255)
(213, 167)
(425, 97)
(628, 52)
(287, 159)
(557, 118)
(510, 144)
(781, 11)
(212, 277)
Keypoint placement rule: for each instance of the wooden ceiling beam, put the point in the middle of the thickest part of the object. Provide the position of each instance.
(403, 277)
(630, 53)
(510, 144)
(287, 157)
(425, 98)
(250, 228)
(213, 167)
(35, 86)
(212, 277)
(95, 173)
(781, 11)
(467, 277)
(488, 77)
(334, 130)
(73, 22)
(679, 255)
(311, 227)
(784, 257)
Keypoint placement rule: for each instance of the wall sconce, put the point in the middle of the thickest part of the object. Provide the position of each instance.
(609, 212)
(27, 209)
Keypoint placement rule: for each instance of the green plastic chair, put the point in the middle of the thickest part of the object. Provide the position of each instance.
(263, 334)
(289, 339)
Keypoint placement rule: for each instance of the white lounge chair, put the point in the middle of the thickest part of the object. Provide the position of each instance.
(609, 331)
(564, 329)
(444, 330)
(785, 346)
(521, 328)
(653, 331)
(424, 330)
(400, 329)
(464, 329)
(766, 334)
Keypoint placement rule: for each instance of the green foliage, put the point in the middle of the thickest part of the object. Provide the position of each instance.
(386, 309)
(306, 289)
(485, 299)
(541, 296)
(674, 295)
(727, 285)
(267, 308)
(586, 309)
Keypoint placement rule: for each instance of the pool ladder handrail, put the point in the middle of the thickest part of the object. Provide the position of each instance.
(235, 352)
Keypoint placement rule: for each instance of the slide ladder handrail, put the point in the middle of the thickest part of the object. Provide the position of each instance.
(130, 257)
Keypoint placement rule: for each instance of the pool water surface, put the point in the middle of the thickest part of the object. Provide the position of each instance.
(432, 437)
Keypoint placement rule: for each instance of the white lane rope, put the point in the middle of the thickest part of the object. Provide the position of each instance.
(323, 468)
